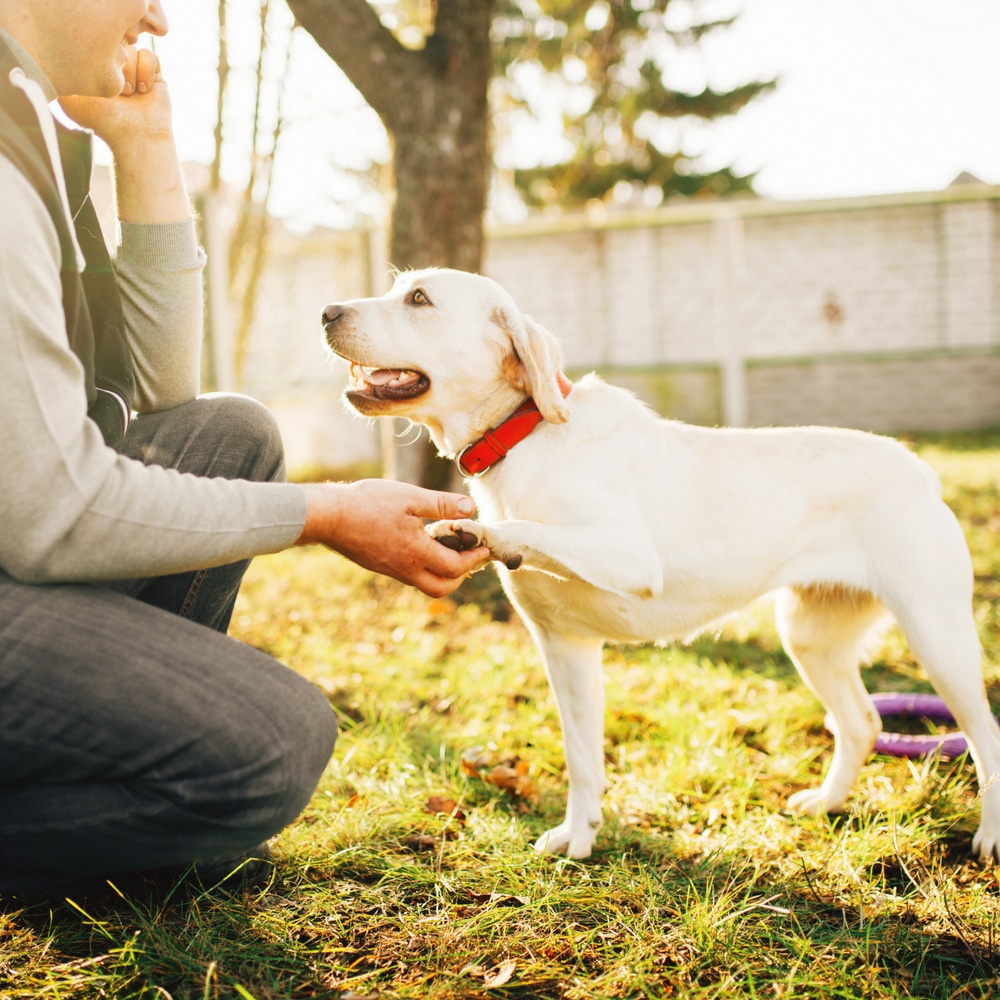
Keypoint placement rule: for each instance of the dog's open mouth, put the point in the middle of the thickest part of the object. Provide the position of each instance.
(387, 383)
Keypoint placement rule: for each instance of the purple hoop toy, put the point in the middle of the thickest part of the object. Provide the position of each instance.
(947, 745)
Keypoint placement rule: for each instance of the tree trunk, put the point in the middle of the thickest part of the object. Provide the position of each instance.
(440, 138)
(433, 103)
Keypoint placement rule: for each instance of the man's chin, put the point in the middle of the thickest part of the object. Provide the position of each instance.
(114, 82)
(109, 85)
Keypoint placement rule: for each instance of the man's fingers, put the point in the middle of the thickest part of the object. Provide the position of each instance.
(129, 71)
(436, 586)
(439, 585)
(147, 66)
(442, 560)
(141, 71)
(431, 503)
(445, 562)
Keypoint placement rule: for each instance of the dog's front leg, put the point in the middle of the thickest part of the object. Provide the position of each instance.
(618, 556)
(574, 670)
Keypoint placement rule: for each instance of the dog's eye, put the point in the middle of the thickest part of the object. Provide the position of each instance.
(418, 297)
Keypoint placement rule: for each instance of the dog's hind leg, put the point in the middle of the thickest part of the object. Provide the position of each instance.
(943, 637)
(928, 588)
(825, 630)
(574, 667)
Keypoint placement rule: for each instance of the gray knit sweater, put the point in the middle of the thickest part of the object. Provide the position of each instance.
(70, 507)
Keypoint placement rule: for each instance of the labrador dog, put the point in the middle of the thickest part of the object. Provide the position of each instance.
(611, 524)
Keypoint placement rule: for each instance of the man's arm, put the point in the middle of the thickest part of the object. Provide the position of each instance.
(376, 524)
(159, 262)
(136, 125)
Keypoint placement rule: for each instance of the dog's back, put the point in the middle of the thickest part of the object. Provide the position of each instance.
(731, 514)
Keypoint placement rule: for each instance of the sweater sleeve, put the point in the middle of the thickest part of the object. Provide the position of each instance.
(159, 278)
(72, 508)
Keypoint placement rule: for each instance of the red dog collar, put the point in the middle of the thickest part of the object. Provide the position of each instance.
(480, 456)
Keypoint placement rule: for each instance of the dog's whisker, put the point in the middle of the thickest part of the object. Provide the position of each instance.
(403, 432)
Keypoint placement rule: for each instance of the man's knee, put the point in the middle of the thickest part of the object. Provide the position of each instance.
(303, 757)
(222, 435)
(268, 761)
(247, 430)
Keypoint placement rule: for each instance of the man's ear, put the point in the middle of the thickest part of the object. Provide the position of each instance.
(535, 363)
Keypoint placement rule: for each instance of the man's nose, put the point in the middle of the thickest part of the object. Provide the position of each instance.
(155, 20)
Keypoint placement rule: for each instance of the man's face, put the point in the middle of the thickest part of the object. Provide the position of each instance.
(81, 45)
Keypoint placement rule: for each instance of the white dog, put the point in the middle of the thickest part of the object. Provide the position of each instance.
(626, 527)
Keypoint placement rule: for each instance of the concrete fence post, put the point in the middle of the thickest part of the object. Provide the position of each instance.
(729, 248)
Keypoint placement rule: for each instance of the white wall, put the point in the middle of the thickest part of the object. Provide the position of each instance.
(881, 313)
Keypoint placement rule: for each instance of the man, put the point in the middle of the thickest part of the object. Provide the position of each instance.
(132, 736)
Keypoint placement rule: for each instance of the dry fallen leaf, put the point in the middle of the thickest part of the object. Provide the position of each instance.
(500, 975)
(438, 804)
(473, 760)
(511, 775)
(420, 842)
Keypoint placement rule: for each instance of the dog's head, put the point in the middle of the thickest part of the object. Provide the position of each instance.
(446, 349)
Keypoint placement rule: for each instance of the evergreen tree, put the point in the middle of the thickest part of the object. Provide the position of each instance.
(607, 62)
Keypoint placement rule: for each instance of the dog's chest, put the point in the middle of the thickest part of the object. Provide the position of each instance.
(580, 609)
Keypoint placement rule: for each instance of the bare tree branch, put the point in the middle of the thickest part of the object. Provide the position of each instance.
(350, 32)
(238, 242)
(215, 181)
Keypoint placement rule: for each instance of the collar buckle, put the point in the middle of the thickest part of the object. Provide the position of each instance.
(461, 468)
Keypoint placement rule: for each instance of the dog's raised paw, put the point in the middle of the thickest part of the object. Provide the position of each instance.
(455, 535)
(461, 541)
(464, 535)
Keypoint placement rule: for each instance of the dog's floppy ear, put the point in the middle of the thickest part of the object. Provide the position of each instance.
(535, 364)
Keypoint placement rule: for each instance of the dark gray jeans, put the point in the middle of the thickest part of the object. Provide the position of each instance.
(134, 734)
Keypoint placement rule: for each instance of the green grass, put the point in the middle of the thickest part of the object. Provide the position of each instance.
(409, 877)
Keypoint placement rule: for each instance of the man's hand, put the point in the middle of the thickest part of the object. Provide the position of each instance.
(136, 125)
(379, 524)
(140, 111)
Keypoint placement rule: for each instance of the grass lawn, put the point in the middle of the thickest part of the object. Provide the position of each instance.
(410, 874)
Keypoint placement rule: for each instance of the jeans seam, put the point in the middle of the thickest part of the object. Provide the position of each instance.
(192, 593)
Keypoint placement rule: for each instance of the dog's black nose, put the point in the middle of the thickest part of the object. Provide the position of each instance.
(331, 314)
